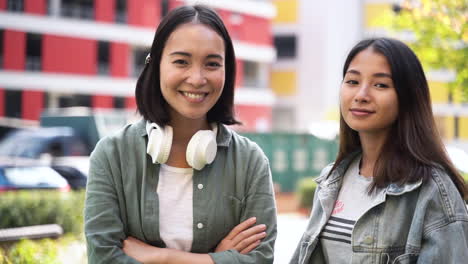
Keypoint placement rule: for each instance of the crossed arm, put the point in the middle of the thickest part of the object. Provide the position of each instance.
(243, 238)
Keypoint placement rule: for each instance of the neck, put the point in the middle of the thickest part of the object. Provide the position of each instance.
(184, 129)
(371, 147)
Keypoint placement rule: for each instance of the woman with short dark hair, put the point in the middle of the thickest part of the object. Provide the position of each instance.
(392, 195)
(180, 186)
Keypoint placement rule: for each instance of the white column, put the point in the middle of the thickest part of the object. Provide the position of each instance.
(327, 31)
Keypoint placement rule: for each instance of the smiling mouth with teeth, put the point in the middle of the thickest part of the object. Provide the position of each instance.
(194, 96)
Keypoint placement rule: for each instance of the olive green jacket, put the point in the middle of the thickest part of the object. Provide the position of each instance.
(121, 198)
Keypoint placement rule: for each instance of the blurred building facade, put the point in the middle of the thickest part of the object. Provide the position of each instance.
(62, 53)
(312, 39)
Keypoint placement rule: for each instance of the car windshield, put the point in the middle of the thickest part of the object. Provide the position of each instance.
(34, 176)
(22, 145)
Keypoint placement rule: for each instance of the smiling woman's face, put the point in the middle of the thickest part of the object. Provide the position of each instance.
(368, 99)
(192, 71)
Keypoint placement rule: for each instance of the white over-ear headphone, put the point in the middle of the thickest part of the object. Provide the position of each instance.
(201, 149)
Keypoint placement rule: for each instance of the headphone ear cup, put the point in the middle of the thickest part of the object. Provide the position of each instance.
(201, 149)
(159, 144)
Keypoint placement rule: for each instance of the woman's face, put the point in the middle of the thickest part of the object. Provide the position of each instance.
(192, 71)
(368, 99)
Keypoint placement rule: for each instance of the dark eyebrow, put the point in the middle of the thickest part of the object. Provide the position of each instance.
(380, 74)
(181, 53)
(354, 72)
(214, 56)
(186, 54)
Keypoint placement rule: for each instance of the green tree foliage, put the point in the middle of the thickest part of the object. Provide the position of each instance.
(440, 30)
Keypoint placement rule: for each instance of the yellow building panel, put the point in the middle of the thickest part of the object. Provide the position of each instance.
(283, 83)
(463, 127)
(445, 125)
(286, 11)
(439, 92)
(449, 127)
(373, 12)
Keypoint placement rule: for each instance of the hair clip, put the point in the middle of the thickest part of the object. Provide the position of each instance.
(148, 58)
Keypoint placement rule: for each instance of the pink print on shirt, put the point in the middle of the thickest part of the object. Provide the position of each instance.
(339, 207)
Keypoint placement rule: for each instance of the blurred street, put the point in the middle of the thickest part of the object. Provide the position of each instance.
(290, 229)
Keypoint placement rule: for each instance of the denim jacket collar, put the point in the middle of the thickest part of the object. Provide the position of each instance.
(327, 180)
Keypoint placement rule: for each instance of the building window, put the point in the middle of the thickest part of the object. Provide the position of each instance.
(33, 52)
(255, 75)
(13, 103)
(75, 100)
(1, 48)
(121, 11)
(119, 102)
(15, 5)
(456, 129)
(77, 9)
(139, 56)
(285, 46)
(103, 58)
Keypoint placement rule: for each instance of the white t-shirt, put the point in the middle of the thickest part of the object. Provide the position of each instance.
(352, 202)
(175, 191)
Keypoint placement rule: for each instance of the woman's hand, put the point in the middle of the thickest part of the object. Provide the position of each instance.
(243, 237)
(143, 252)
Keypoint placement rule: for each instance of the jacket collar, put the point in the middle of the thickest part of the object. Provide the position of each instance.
(223, 139)
(327, 179)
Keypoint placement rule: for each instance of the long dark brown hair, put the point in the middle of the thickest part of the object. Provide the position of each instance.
(413, 147)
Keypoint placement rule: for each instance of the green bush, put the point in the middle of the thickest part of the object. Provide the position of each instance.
(26, 208)
(45, 251)
(33, 252)
(305, 191)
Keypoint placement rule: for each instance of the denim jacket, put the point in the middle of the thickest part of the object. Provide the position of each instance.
(422, 222)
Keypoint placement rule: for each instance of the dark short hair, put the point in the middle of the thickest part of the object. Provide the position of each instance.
(413, 147)
(150, 102)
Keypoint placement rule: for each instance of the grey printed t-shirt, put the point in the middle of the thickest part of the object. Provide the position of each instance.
(352, 202)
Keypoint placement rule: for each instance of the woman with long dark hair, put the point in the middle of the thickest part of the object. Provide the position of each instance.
(180, 186)
(392, 195)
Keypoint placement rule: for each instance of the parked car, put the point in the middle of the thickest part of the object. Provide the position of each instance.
(34, 143)
(75, 178)
(35, 177)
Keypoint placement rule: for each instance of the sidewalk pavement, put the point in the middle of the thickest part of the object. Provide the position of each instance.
(290, 229)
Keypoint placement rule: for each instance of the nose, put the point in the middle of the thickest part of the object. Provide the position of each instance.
(196, 77)
(362, 95)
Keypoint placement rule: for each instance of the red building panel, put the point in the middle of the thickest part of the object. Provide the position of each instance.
(104, 10)
(253, 117)
(3, 4)
(130, 102)
(35, 6)
(69, 55)
(2, 102)
(119, 59)
(258, 30)
(233, 23)
(239, 73)
(14, 52)
(247, 28)
(145, 13)
(175, 3)
(102, 101)
(32, 104)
